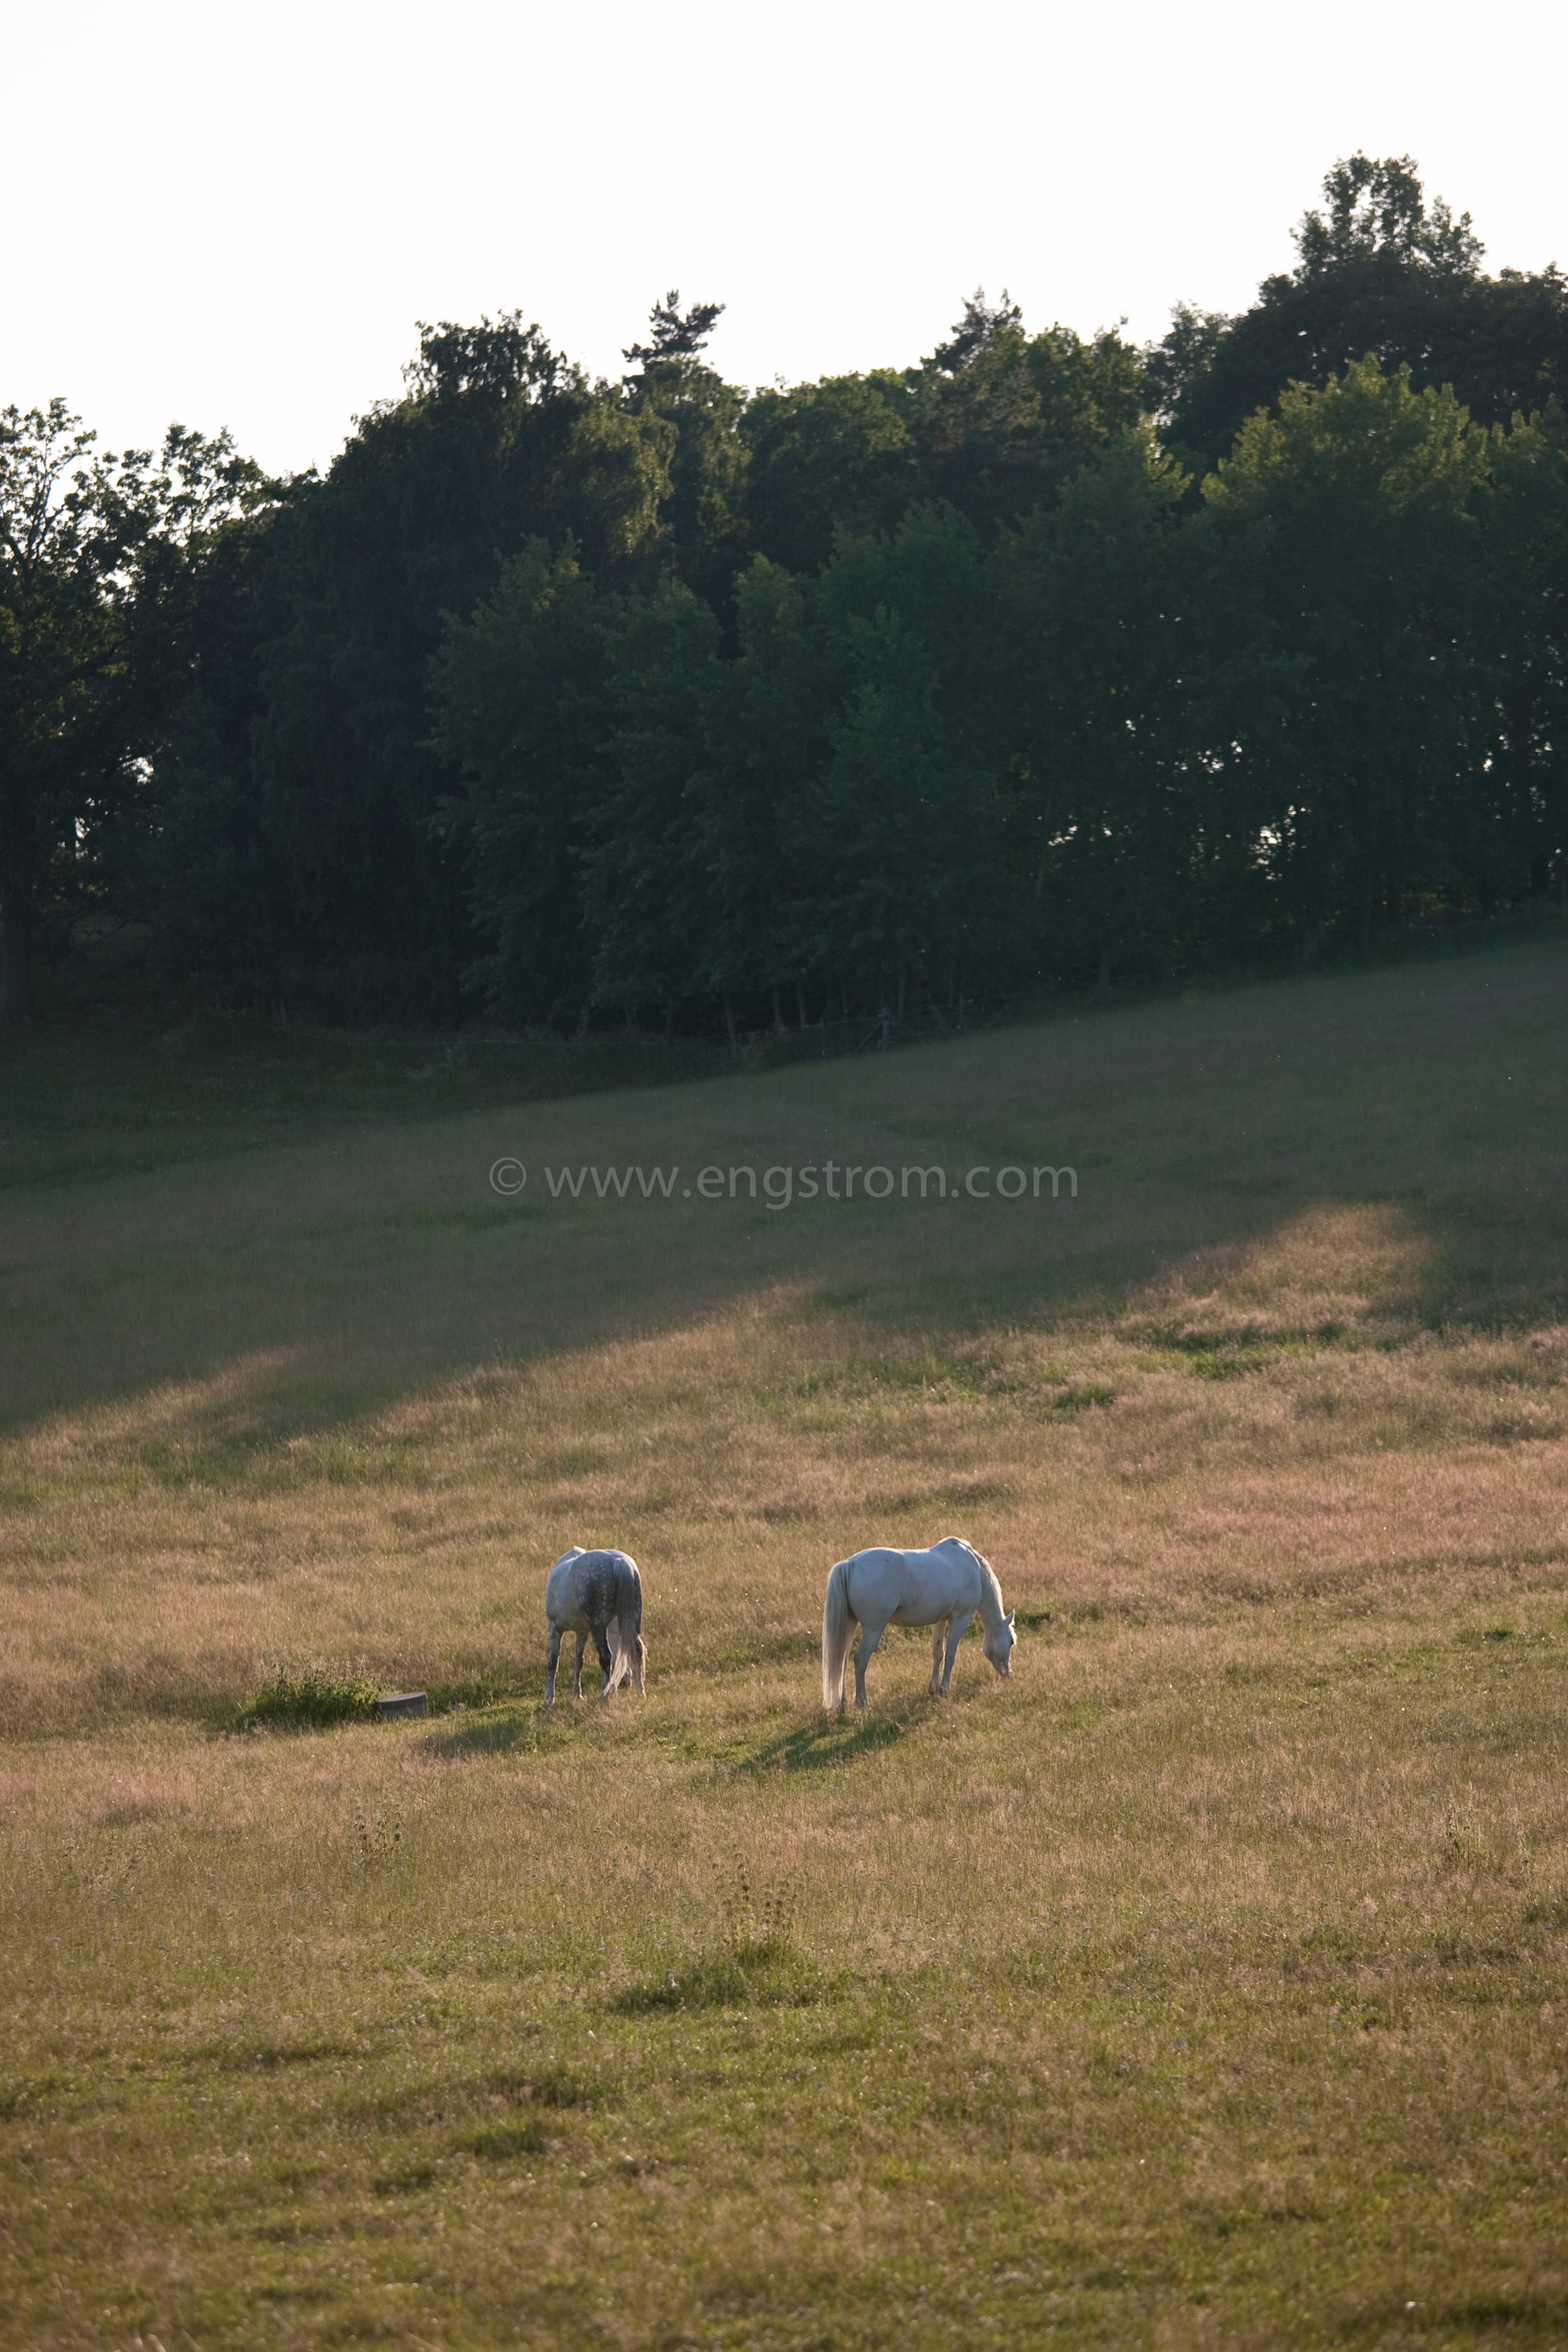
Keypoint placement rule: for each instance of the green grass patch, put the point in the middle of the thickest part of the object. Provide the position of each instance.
(767, 1975)
(310, 1698)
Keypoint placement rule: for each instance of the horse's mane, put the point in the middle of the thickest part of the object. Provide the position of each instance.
(980, 1561)
(993, 1580)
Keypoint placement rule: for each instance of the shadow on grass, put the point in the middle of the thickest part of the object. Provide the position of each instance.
(762, 1976)
(232, 2058)
(513, 1730)
(111, 1096)
(779, 1649)
(327, 1290)
(503, 2141)
(1525, 2318)
(406, 2181)
(547, 2087)
(523, 1726)
(824, 1741)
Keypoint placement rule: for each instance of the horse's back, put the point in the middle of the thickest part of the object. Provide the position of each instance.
(589, 1587)
(914, 1587)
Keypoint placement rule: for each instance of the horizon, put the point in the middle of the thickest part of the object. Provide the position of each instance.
(254, 182)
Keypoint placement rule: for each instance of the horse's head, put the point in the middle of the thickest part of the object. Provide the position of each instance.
(998, 1645)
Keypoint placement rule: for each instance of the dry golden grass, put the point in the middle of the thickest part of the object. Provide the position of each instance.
(1208, 1979)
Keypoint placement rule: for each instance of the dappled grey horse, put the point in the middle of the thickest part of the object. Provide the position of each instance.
(597, 1593)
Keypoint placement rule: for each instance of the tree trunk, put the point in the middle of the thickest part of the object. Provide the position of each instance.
(16, 960)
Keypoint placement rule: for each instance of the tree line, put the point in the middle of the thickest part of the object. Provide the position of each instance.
(1048, 660)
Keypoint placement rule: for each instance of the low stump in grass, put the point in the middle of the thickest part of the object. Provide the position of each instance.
(402, 1702)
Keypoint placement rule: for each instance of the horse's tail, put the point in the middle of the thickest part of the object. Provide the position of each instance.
(629, 1599)
(837, 1632)
(634, 1649)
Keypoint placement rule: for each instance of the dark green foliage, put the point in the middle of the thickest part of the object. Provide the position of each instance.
(1354, 517)
(1042, 663)
(207, 875)
(1385, 274)
(101, 569)
(1002, 418)
(519, 697)
(413, 520)
(649, 903)
(696, 417)
(1093, 648)
(908, 817)
(825, 457)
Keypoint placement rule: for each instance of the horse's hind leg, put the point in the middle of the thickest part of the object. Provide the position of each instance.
(601, 1642)
(576, 1667)
(870, 1636)
(938, 1634)
(957, 1629)
(555, 1660)
(619, 1664)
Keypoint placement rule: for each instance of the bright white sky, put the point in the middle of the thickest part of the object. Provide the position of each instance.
(232, 213)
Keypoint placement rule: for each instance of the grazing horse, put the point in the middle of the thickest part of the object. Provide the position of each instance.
(942, 1588)
(598, 1593)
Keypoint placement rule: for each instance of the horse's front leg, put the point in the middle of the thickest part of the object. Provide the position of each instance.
(555, 1660)
(870, 1636)
(957, 1629)
(938, 1633)
(601, 1642)
(576, 1666)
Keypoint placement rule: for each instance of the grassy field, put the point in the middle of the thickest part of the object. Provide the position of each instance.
(1207, 1983)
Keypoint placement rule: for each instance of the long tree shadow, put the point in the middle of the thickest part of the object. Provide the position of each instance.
(241, 1306)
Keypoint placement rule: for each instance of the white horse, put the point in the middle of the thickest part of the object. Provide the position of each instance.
(598, 1593)
(942, 1588)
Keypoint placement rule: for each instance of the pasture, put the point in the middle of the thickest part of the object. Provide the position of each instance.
(1206, 1982)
